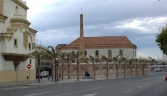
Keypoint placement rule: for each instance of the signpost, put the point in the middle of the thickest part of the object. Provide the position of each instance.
(29, 66)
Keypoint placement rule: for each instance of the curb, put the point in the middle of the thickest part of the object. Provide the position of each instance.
(58, 83)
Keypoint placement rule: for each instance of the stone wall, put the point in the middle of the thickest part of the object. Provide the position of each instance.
(101, 69)
(16, 76)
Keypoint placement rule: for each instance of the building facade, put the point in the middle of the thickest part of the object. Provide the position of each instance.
(45, 63)
(102, 45)
(17, 40)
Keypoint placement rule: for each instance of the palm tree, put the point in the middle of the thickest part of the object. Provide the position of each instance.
(106, 58)
(130, 62)
(38, 56)
(49, 57)
(92, 59)
(116, 60)
(76, 56)
(53, 54)
(62, 56)
(68, 59)
(124, 60)
(136, 61)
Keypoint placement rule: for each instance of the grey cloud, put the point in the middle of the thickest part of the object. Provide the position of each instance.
(97, 12)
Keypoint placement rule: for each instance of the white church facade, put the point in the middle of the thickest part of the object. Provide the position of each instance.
(100, 45)
(17, 40)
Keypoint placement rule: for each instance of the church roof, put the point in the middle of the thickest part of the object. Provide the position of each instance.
(103, 40)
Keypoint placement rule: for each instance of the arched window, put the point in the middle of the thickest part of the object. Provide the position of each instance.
(135, 53)
(109, 53)
(73, 61)
(96, 53)
(73, 52)
(85, 53)
(121, 52)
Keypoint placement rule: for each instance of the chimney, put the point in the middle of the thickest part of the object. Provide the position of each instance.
(82, 39)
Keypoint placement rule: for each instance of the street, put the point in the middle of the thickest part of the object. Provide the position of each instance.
(154, 85)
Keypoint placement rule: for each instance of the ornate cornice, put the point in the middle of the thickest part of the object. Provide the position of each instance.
(21, 4)
(32, 30)
(7, 36)
(20, 20)
(2, 18)
(15, 56)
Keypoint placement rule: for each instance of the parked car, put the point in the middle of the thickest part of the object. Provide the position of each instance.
(166, 78)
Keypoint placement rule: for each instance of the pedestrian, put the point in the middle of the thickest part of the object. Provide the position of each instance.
(59, 75)
(41, 76)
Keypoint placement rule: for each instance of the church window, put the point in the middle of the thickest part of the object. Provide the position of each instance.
(73, 61)
(29, 46)
(73, 52)
(135, 53)
(85, 53)
(15, 42)
(96, 53)
(109, 53)
(30, 61)
(121, 52)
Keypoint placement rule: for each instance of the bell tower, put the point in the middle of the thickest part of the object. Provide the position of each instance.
(82, 39)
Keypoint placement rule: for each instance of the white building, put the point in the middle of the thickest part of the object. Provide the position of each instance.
(101, 45)
(17, 40)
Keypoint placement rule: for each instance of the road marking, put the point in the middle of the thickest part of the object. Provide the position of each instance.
(103, 87)
(41, 93)
(147, 83)
(140, 86)
(15, 88)
(127, 91)
(90, 94)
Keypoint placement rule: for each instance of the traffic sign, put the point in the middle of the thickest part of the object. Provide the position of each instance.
(29, 66)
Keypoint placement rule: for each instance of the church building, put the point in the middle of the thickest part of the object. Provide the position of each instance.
(101, 45)
(17, 40)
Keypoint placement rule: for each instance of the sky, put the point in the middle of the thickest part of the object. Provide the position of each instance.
(57, 21)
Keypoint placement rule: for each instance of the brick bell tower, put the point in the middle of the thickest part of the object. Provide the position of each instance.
(81, 39)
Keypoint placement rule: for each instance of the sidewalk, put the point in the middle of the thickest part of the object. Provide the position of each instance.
(71, 80)
(45, 81)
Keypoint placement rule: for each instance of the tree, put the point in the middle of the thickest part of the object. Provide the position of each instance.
(76, 56)
(136, 61)
(50, 58)
(92, 59)
(115, 59)
(68, 59)
(54, 54)
(124, 60)
(106, 59)
(38, 56)
(131, 62)
(62, 56)
(161, 39)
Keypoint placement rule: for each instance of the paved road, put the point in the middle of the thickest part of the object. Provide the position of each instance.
(134, 86)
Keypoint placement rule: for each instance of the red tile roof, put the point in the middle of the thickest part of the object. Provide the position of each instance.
(103, 40)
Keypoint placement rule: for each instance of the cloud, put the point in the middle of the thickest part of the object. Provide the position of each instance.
(153, 52)
(57, 21)
(144, 25)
